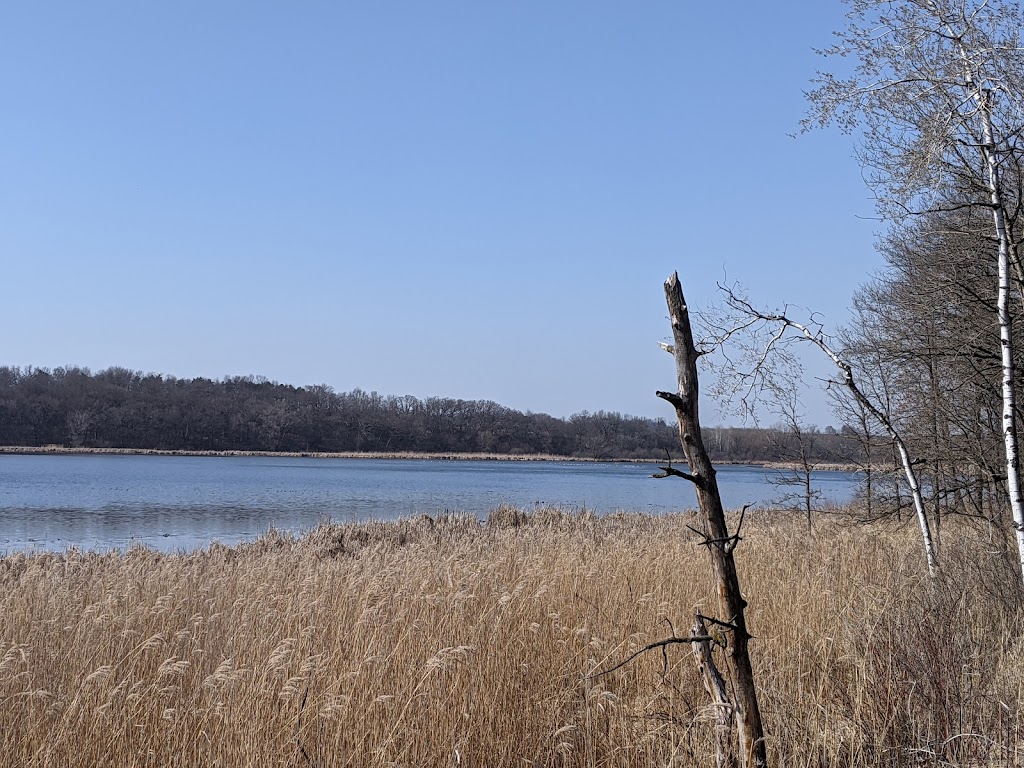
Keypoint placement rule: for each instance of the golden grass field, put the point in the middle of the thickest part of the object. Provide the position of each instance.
(453, 642)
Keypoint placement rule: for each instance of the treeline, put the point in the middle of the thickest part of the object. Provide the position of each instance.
(120, 408)
(927, 351)
(934, 92)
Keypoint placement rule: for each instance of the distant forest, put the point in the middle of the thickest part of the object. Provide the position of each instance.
(120, 408)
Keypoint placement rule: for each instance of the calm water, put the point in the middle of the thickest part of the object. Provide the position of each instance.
(172, 502)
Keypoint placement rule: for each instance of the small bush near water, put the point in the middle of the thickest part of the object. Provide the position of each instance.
(452, 642)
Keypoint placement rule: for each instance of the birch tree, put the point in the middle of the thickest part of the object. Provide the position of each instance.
(923, 340)
(765, 340)
(936, 98)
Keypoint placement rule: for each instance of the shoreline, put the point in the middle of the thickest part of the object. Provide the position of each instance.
(59, 450)
(408, 455)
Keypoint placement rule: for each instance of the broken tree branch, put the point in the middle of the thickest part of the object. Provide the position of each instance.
(652, 646)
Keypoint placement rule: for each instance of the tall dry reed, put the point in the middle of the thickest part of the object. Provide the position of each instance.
(453, 642)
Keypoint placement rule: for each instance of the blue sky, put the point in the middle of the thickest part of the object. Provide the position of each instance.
(475, 200)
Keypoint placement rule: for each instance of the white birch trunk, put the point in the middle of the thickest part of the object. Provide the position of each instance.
(915, 492)
(981, 99)
(1006, 348)
(908, 465)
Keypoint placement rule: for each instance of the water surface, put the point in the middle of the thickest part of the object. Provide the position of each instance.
(182, 502)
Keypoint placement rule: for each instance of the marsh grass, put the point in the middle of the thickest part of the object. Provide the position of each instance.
(407, 455)
(454, 642)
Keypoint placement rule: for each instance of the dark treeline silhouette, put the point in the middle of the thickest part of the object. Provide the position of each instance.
(120, 408)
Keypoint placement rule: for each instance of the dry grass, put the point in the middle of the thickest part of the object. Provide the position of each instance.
(407, 455)
(449, 642)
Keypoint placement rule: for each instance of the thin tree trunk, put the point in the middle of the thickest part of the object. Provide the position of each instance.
(937, 441)
(720, 542)
(896, 482)
(808, 488)
(901, 447)
(982, 99)
(1013, 487)
(915, 492)
(868, 459)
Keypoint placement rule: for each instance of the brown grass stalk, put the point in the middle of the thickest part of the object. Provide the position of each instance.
(453, 642)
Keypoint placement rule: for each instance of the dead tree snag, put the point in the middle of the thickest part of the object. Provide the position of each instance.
(720, 543)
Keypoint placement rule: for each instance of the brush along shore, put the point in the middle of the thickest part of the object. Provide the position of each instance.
(444, 456)
(450, 641)
(450, 456)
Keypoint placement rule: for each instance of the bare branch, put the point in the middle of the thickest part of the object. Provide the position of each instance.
(671, 471)
(652, 646)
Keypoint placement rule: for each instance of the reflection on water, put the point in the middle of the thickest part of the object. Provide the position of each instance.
(178, 503)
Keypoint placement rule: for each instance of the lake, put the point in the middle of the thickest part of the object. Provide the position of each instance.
(175, 503)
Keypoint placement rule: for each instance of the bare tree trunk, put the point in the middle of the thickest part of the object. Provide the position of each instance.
(806, 468)
(982, 98)
(719, 541)
(896, 481)
(901, 447)
(1009, 379)
(862, 416)
(937, 440)
(715, 685)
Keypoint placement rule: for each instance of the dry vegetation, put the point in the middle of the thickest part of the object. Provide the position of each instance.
(452, 642)
(419, 455)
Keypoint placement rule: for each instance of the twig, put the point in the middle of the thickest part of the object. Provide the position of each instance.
(664, 648)
(728, 542)
(659, 644)
(698, 532)
(298, 726)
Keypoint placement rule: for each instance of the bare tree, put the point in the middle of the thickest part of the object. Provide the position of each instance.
(768, 338)
(795, 442)
(927, 352)
(936, 95)
(860, 428)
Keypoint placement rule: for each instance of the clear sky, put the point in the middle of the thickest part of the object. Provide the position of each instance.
(466, 199)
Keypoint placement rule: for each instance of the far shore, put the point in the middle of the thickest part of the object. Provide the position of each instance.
(450, 456)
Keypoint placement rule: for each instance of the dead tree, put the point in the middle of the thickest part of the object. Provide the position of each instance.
(717, 538)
